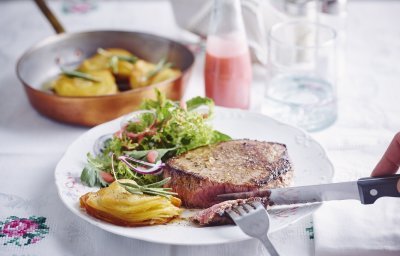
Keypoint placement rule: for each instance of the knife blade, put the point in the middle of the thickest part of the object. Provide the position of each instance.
(366, 190)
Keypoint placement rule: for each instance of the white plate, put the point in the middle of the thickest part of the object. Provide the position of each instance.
(311, 166)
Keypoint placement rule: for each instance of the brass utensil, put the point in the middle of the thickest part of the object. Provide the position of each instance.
(42, 62)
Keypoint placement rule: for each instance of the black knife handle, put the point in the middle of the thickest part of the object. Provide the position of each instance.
(371, 189)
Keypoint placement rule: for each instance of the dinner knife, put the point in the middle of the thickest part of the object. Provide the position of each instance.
(366, 190)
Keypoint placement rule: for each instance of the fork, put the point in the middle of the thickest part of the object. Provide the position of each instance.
(253, 220)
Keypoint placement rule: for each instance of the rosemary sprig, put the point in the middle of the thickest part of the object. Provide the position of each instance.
(114, 64)
(161, 65)
(132, 59)
(78, 74)
(149, 189)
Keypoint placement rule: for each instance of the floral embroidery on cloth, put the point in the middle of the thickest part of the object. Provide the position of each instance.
(22, 231)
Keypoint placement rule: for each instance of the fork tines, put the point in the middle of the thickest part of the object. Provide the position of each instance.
(242, 209)
(253, 220)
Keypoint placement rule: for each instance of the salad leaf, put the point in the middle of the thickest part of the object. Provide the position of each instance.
(91, 173)
(142, 154)
(219, 137)
(147, 119)
(169, 129)
(88, 176)
(198, 101)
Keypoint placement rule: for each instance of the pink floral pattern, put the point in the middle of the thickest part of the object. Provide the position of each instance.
(73, 188)
(22, 231)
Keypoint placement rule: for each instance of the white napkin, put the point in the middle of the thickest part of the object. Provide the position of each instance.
(350, 228)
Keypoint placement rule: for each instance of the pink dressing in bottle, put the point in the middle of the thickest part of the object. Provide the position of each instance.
(228, 72)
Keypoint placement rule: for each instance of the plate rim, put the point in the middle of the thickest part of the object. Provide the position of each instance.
(98, 223)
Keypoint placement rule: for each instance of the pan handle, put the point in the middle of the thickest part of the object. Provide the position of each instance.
(50, 16)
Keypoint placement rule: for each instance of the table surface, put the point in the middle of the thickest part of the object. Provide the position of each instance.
(31, 145)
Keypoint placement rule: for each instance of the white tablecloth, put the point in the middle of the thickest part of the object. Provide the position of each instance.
(31, 145)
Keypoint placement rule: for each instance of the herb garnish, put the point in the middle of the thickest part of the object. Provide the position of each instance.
(114, 58)
(132, 59)
(154, 189)
(73, 73)
(161, 65)
(114, 64)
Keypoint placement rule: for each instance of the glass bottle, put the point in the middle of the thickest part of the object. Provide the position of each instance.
(228, 71)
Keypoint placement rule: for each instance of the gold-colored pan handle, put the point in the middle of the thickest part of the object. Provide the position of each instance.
(50, 16)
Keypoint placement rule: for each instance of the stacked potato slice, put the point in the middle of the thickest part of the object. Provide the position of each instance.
(116, 205)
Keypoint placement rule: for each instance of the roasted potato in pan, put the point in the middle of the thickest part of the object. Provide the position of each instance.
(102, 61)
(71, 86)
(146, 73)
(165, 74)
(111, 69)
(139, 77)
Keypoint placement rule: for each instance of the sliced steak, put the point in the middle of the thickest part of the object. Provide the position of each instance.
(215, 215)
(233, 166)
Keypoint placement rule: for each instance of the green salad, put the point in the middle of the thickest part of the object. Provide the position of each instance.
(148, 137)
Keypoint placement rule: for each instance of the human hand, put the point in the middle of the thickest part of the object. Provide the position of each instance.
(390, 162)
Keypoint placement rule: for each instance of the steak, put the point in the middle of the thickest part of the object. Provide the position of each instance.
(215, 215)
(199, 175)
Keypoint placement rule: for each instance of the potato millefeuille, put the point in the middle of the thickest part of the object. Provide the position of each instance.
(116, 205)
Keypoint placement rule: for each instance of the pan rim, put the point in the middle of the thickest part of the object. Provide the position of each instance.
(59, 37)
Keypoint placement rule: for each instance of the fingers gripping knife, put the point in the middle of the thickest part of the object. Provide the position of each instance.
(366, 190)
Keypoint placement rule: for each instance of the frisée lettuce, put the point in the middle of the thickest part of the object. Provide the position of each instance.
(161, 129)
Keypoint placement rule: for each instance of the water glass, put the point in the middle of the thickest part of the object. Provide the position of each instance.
(301, 84)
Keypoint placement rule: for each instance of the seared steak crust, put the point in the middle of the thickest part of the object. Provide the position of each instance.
(215, 215)
(233, 166)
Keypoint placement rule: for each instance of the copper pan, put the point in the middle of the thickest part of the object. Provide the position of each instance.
(42, 62)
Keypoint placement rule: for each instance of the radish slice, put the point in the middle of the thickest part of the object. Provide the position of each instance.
(144, 167)
(152, 156)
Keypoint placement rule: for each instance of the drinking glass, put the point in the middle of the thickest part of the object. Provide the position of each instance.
(301, 87)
